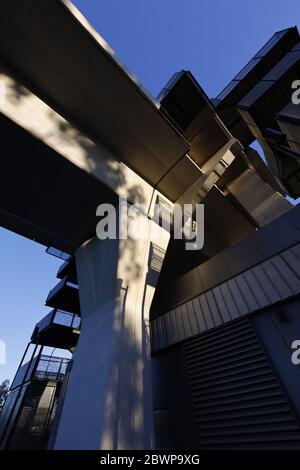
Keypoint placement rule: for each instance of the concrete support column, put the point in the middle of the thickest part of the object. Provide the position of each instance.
(108, 404)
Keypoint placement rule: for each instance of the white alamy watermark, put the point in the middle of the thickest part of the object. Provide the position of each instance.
(2, 352)
(296, 92)
(131, 221)
(296, 354)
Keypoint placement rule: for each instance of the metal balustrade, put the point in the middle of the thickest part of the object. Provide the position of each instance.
(59, 317)
(43, 368)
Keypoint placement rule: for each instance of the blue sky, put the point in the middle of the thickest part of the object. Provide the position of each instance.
(154, 38)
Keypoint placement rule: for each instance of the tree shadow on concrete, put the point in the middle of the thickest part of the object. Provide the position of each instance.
(132, 337)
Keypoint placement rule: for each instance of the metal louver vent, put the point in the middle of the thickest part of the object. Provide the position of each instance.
(238, 400)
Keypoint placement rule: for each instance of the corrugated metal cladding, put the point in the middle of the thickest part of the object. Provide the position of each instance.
(275, 279)
(237, 398)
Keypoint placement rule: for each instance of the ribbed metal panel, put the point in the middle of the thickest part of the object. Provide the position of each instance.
(271, 281)
(238, 401)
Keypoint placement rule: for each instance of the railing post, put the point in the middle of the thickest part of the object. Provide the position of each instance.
(5, 440)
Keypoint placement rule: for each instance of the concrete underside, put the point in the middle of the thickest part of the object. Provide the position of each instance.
(61, 59)
(43, 196)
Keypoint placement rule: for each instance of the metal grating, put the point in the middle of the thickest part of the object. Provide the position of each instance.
(238, 400)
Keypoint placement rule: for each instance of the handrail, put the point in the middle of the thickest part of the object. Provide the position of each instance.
(59, 317)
